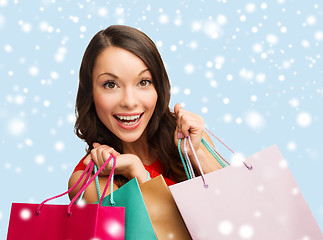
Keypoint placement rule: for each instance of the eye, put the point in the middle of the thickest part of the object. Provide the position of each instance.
(144, 82)
(110, 85)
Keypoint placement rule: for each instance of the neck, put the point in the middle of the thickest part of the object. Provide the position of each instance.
(141, 149)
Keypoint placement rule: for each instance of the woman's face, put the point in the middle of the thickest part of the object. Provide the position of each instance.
(123, 93)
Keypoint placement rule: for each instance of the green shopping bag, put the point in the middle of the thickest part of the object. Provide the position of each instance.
(137, 221)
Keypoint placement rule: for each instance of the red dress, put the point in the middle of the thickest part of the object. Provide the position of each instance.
(154, 170)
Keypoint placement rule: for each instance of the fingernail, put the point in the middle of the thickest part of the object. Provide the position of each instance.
(180, 135)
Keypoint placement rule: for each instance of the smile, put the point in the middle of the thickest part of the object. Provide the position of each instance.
(128, 120)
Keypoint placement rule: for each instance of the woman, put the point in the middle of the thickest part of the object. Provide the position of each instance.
(122, 109)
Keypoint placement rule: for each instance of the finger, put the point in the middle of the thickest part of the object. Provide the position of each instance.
(95, 145)
(87, 160)
(177, 107)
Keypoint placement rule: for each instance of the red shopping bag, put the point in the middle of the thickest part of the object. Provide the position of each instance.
(67, 222)
(258, 199)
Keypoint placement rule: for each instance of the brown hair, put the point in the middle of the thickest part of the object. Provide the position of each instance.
(160, 129)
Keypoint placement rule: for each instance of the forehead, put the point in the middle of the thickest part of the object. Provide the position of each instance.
(119, 61)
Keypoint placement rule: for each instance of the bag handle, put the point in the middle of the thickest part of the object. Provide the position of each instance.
(88, 170)
(188, 165)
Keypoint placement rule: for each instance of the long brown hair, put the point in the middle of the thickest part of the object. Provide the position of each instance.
(161, 127)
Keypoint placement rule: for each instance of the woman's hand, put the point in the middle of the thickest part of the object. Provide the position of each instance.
(188, 124)
(127, 165)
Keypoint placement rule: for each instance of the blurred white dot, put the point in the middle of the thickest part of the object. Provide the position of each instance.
(318, 35)
(257, 48)
(253, 98)
(16, 127)
(46, 103)
(204, 109)
(43, 26)
(213, 83)
(159, 43)
(254, 29)
(103, 12)
(229, 77)
(59, 146)
(222, 19)
(291, 146)
(187, 91)
(257, 214)
(33, 70)
(237, 159)
(238, 120)
(175, 90)
(1, 215)
(71, 118)
(263, 55)
(254, 120)
(281, 78)
(113, 228)
(304, 119)
(243, 18)
(196, 26)
(295, 191)
(283, 29)
(250, 7)
(173, 48)
(28, 142)
(39, 159)
(227, 118)
(50, 169)
(193, 45)
(261, 77)
(246, 231)
(83, 28)
(3, 3)
(311, 20)
(26, 27)
(272, 39)
(81, 203)
(163, 19)
(305, 44)
(19, 99)
(209, 64)
(294, 102)
(189, 68)
(264, 6)
(225, 227)
(226, 100)
(54, 75)
(25, 214)
(8, 48)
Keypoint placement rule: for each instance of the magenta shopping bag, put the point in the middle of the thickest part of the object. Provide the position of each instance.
(259, 200)
(67, 222)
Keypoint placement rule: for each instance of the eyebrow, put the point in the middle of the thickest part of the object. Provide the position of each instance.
(114, 76)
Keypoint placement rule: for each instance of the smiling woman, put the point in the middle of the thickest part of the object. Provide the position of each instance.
(122, 109)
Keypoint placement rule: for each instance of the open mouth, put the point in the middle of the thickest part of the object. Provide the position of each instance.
(128, 120)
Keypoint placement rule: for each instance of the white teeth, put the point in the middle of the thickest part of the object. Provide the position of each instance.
(129, 118)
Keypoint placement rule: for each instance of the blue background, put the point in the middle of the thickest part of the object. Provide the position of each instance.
(252, 69)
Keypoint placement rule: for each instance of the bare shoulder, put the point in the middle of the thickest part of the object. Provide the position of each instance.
(90, 194)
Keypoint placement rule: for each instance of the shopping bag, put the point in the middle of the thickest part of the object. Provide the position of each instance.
(137, 221)
(62, 222)
(258, 199)
(164, 215)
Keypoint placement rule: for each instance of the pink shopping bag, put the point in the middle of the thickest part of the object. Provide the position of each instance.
(67, 222)
(259, 200)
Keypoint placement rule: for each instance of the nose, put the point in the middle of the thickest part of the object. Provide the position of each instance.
(130, 98)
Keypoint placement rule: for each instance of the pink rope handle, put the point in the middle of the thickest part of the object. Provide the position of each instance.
(219, 140)
(90, 166)
(91, 180)
(196, 160)
(246, 165)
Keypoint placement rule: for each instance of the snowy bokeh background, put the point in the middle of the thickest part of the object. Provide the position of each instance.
(252, 69)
